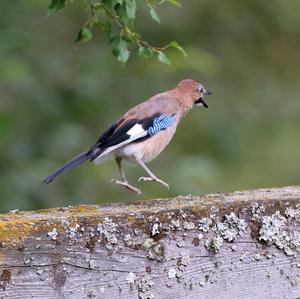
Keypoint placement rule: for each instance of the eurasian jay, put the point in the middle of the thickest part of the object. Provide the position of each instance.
(143, 132)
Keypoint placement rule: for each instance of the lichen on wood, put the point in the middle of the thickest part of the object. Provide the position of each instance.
(188, 246)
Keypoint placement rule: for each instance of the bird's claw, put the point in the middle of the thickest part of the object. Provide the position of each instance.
(144, 179)
(127, 185)
(147, 179)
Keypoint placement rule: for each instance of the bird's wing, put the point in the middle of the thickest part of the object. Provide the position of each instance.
(131, 130)
(138, 124)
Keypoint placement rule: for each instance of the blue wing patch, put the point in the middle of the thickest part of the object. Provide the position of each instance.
(161, 123)
(116, 135)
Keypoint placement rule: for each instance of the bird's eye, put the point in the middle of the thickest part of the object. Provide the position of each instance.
(201, 90)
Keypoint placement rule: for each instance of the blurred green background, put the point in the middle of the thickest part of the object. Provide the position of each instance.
(55, 100)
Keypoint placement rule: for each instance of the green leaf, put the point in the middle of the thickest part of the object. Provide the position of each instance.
(175, 2)
(145, 52)
(154, 15)
(84, 35)
(113, 42)
(162, 57)
(122, 13)
(175, 45)
(57, 5)
(92, 21)
(131, 9)
(111, 3)
(108, 30)
(124, 53)
(119, 48)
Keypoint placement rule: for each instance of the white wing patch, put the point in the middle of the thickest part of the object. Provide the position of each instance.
(135, 133)
(135, 130)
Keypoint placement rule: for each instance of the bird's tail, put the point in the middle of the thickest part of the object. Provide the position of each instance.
(69, 165)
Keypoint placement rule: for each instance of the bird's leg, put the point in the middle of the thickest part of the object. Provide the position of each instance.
(124, 181)
(152, 176)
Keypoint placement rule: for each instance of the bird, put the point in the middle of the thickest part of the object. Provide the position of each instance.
(142, 133)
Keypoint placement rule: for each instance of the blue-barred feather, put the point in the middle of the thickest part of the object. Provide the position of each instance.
(161, 123)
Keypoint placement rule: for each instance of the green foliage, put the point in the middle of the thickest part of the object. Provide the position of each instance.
(154, 14)
(84, 35)
(120, 48)
(174, 2)
(175, 45)
(162, 57)
(57, 5)
(145, 52)
(130, 9)
(116, 18)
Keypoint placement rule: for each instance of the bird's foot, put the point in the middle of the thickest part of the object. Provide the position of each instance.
(155, 179)
(127, 185)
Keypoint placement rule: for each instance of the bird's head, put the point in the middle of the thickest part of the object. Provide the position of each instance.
(192, 93)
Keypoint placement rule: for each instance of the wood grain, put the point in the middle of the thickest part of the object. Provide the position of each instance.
(155, 249)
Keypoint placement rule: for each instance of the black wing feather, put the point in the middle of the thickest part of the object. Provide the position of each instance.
(113, 136)
(121, 135)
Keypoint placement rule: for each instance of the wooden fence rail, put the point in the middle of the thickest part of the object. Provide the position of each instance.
(237, 245)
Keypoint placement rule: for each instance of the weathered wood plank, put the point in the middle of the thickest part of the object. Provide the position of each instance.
(238, 245)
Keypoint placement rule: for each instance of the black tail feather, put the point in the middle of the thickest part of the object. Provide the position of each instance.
(69, 165)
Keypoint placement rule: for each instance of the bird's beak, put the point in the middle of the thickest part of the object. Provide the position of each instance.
(200, 101)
